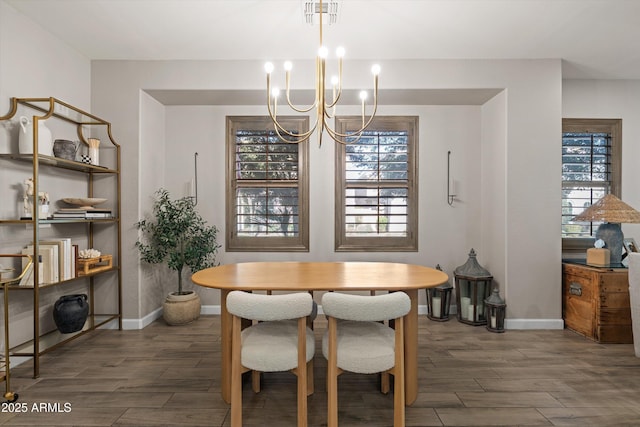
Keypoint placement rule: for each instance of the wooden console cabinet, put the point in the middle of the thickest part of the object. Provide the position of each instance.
(595, 302)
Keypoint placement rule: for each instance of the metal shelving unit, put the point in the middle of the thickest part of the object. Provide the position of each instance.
(52, 108)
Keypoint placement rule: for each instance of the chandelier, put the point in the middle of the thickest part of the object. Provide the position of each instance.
(325, 108)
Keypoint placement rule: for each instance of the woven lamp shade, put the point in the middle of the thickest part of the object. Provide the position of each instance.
(610, 209)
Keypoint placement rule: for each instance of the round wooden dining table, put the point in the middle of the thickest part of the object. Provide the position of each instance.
(322, 276)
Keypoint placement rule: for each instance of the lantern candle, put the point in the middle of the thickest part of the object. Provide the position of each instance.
(435, 304)
(464, 306)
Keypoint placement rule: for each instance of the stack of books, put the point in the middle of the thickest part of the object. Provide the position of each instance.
(80, 213)
(56, 261)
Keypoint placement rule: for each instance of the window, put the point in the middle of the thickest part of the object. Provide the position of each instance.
(267, 201)
(376, 186)
(591, 168)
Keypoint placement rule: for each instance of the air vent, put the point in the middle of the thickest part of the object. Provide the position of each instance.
(311, 11)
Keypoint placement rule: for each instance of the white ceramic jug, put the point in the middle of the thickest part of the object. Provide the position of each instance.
(25, 141)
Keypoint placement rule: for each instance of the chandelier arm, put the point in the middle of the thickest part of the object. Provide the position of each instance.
(336, 96)
(321, 68)
(297, 138)
(342, 138)
(359, 131)
(373, 113)
(301, 109)
(291, 105)
(280, 130)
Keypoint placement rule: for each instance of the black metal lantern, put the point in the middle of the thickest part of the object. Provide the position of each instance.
(439, 301)
(495, 311)
(473, 286)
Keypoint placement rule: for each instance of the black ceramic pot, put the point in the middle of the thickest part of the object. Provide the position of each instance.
(70, 312)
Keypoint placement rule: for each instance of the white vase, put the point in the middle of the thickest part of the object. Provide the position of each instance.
(94, 154)
(25, 140)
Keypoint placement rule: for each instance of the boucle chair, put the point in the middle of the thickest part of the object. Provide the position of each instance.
(275, 344)
(360, 343)
(256, 375)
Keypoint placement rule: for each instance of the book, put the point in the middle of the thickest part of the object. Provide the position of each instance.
(27, 279)
(98, 215)
(71, 210)
(59, 244)
(83, 214)
(65, 255)
(57, 215)
(49, 262)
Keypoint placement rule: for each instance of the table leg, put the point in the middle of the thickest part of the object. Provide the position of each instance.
(411, 349)
(225, 347)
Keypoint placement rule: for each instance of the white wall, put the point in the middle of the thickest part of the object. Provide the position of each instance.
(33, 63)
(493, 183)
(612, 99)
(503, 154)
(523, 238)
(142, 296)
(498, 149)
(204, 128)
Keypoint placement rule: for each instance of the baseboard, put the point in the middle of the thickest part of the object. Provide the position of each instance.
(210, 309)
(133, 324)
(422, 310)
(512, 324)
(515, 324)
(533, 324)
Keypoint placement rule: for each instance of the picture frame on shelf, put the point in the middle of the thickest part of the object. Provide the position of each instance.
(630, 245)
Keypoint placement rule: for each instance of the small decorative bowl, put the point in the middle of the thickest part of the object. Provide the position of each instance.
(84, 202)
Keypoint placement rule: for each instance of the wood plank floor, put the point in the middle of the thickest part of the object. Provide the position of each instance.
(169, 376)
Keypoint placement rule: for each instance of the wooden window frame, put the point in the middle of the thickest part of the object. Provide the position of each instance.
(235, 243)
(408, 243)
(614, 128)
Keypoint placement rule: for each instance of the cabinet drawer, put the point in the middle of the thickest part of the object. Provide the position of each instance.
(614, 282)
(578, 287)
(578, 309)
(577, 270)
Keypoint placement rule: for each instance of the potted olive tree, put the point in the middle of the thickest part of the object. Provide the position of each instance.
(177, 235)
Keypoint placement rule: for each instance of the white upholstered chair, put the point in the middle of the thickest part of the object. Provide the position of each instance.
(256, 375)
(634, 298)
(360, 343)
(275, 344)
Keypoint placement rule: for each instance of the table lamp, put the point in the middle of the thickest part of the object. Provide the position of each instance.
(613, 212)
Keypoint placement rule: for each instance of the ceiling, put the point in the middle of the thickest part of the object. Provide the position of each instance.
(595, 38)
